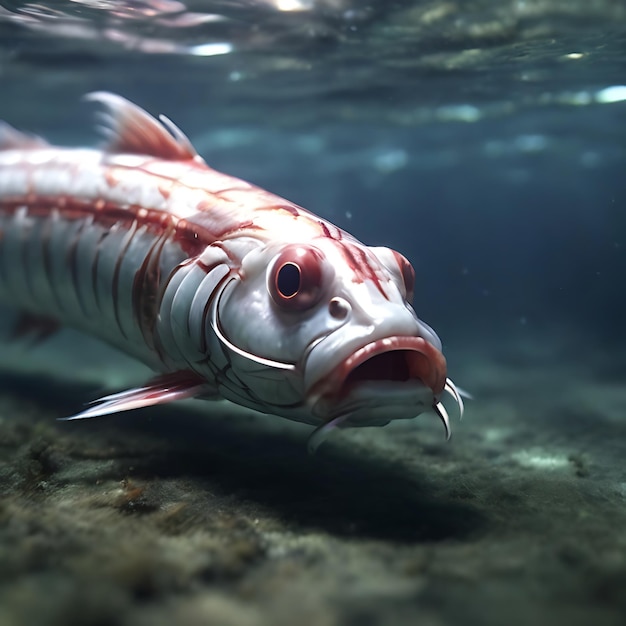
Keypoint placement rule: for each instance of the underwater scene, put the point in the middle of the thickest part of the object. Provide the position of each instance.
(484, 141)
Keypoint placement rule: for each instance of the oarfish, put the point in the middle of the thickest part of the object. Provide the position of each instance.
(224, 289)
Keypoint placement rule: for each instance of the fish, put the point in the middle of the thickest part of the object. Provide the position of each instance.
(225, 290)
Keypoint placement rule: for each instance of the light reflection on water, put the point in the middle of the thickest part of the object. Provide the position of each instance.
(411, 63)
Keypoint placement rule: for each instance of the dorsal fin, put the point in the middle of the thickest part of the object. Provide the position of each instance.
(131, 130)
(11, 138)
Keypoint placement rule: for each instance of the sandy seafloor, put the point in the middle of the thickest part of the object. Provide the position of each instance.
(209, 514)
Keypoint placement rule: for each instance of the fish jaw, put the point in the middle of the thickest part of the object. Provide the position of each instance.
(391, 378)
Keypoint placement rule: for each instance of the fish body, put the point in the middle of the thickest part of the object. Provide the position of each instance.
(225, 289)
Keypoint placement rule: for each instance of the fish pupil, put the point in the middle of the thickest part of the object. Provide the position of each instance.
(288, 280)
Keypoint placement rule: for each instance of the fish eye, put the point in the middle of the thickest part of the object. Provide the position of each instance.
(288, 280)
(295, 278)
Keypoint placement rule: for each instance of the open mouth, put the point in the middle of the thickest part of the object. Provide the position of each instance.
(392, 378)
(391, 360)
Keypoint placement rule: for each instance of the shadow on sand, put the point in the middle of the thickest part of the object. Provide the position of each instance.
(339, 491)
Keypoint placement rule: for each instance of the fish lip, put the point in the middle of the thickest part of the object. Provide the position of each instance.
(424, 362)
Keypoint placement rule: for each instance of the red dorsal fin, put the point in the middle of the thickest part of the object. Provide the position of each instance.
(131, 130)
(12, 139)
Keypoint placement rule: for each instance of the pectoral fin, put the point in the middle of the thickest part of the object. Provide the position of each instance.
(160, 390)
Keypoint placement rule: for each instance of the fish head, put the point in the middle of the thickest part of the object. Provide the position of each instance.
(325, 330)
